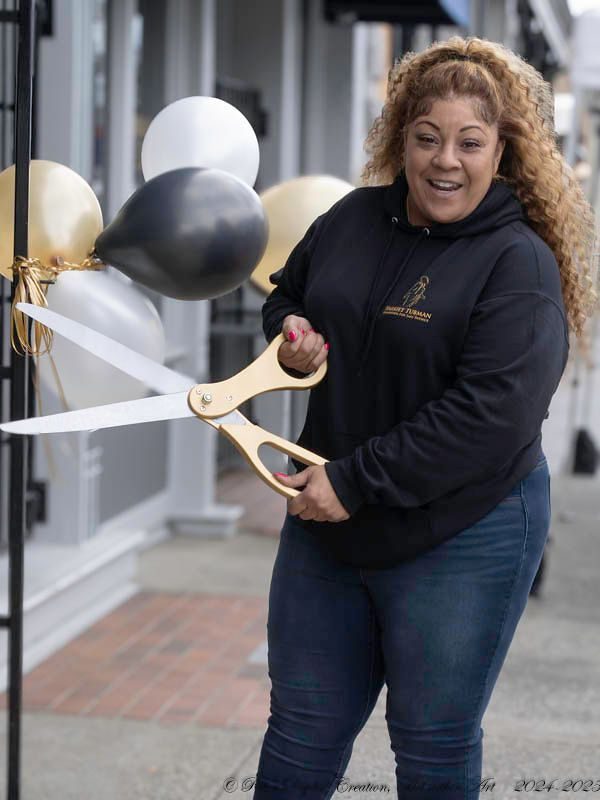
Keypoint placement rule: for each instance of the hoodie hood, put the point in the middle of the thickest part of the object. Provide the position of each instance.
(499, 207)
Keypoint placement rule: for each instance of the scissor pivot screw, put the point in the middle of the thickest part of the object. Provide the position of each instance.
(229, 397)
(207, 397)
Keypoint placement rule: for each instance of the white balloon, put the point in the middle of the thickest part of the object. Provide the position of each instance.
(201, 132)
(107, 305)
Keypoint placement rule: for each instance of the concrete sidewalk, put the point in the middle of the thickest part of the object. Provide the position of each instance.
(167, 697)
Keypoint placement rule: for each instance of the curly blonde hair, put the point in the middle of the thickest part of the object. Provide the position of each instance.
(512, 94)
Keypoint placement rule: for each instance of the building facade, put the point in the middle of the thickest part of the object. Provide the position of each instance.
(310, 75)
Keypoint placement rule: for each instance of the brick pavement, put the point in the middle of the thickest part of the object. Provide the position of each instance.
(173, 658)
(170, 657)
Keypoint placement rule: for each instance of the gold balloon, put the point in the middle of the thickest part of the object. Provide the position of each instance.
(291, 207)
(64, 215)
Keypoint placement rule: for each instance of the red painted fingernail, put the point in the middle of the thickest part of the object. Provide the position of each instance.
(283, 475)
(310, 329)
(303, 331)
(292, 336)
(326, 345)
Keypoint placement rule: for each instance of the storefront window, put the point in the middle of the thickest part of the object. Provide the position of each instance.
(149, 42)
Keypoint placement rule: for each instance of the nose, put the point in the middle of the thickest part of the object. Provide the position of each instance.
(446, 158)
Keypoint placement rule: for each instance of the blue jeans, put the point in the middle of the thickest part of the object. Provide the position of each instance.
(436, 628)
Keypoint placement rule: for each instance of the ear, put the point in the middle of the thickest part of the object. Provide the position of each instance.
(498, 154)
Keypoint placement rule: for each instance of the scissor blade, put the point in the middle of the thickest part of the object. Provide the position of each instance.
(156, 376)
(112, 415)
(234, 417)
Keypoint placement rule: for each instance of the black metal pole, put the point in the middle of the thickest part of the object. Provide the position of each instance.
(18, 402)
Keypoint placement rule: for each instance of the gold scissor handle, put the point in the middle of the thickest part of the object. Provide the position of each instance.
(248, 438)
(264, 374)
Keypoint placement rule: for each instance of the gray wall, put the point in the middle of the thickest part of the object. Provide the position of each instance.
(134, 466)
(249, 49)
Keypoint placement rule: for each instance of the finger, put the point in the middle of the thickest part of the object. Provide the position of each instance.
(316, 359)
(321, 357)
(304, 343)
(299, 479)
(293, 363)
(295, 350)
(290, 323)
(286, 354)
(293, 328)
(295, 320)
(293, 338)
(309, 344)
(307, 351)
(296, 506)
(318, 346)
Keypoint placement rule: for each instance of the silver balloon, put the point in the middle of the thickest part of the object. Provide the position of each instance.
(201, 132)
(110, 306)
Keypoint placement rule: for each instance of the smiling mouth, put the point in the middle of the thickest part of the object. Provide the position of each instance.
(444, 186)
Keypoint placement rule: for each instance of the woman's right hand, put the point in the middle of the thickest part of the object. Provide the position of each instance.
(304, 349)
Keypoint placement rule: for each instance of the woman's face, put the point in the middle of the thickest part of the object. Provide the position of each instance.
(451, 157)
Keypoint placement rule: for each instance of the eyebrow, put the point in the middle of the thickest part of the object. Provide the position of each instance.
(433, 125)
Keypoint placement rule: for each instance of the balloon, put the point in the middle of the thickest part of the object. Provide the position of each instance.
(291, 207)
(64, 215)
(108, 305)
(201, 132)
(191, 233)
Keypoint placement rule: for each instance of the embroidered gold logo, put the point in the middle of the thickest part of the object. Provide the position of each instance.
(415, 295)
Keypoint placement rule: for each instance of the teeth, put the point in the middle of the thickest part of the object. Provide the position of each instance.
(445, 184)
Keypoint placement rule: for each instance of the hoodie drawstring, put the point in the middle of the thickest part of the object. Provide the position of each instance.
(371, 319)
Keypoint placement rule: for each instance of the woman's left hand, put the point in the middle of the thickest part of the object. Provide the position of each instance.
(317, 499)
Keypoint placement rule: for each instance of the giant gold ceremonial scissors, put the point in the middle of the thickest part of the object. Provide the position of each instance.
(180, 396)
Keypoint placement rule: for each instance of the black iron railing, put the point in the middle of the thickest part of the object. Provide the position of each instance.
(17, 27)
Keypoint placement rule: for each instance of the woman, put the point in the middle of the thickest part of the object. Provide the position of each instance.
(442, 296)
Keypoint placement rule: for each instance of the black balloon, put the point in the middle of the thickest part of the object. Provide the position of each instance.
(189, 233)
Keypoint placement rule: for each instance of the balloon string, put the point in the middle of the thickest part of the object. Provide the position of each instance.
(32, 286)
(29, 289)
(53, 471)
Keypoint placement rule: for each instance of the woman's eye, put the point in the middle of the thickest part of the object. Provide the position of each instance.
(426, 139)
(471, 145)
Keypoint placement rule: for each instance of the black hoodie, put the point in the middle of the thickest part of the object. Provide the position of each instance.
(446, 346)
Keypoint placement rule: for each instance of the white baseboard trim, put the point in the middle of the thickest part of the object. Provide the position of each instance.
(155, 516)
(215, 520)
